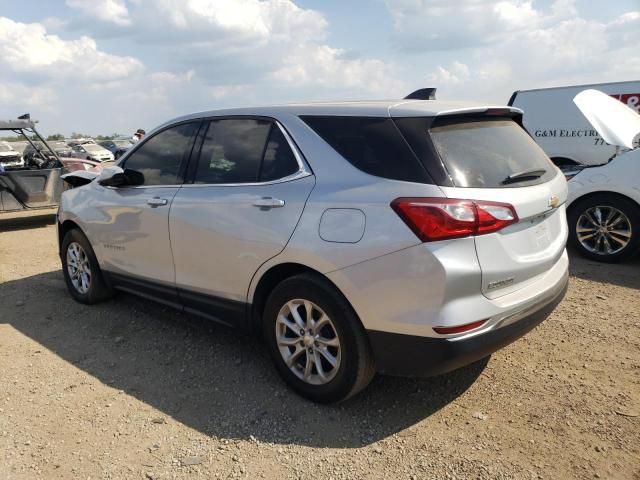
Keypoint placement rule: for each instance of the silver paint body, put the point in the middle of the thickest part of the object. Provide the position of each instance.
(337, 221)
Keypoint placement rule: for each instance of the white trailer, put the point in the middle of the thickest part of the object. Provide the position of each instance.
(554, 121)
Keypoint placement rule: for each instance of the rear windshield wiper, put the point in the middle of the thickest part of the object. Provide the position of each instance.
(525, 175)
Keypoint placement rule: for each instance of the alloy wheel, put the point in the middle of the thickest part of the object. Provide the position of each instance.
(603, 230)
(308, 341)
(78, 268)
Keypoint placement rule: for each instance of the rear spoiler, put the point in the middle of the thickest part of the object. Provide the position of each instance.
(498, 111)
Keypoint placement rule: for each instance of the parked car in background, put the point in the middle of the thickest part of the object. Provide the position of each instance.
(10, 158)
(116, 146)
(561, 130)
(19, 146)
(61, 148)
(91, 151)
(604, 200)
(406, 237)
(36, 153)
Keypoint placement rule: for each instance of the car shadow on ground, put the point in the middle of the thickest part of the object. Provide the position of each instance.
(624, 274)
(9, 221)
(216, 381)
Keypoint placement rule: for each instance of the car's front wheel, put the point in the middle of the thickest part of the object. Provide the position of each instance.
(316, 340)
(81, 270)
(605, 227)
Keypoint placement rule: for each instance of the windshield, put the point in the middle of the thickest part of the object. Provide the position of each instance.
(123, 143)
(487, 153)
(60, 145)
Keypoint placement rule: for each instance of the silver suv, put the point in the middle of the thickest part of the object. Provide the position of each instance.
(405, 237)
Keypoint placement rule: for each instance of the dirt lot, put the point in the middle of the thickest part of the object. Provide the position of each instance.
(129, 389)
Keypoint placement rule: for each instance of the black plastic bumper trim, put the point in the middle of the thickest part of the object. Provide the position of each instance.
(413, 356)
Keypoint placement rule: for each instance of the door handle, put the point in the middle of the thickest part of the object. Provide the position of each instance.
(265, 203)
(157, 201)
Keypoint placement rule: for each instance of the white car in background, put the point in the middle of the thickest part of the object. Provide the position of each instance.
(92, 151)
(603, 207)
(10, 158)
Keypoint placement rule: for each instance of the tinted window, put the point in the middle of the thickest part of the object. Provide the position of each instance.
(159, 159)
(484, 153)
(232, 151)
(279, 160)
(374, 145)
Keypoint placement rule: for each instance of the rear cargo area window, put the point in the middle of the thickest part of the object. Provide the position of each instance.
(371, 144)
(484, 152)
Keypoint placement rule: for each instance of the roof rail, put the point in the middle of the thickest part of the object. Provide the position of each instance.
(422, 94)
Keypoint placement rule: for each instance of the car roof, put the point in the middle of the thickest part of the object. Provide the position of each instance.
(371, 108)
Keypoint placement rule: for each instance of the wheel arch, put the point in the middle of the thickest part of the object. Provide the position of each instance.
(594, 193)
(63, 229)
(269, 280)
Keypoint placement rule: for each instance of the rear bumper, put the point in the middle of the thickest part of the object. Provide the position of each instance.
(410, 355)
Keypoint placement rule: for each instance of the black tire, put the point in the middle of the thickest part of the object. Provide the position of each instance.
(356, 367)
(98, 290)
(606, 200)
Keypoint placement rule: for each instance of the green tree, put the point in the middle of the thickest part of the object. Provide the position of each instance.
(55, 136)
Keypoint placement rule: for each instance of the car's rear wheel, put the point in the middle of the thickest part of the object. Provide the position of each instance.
(316, 340)
(605, 227)
(81, 270)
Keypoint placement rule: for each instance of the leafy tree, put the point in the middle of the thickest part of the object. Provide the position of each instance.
(79, 135)
(55, 136)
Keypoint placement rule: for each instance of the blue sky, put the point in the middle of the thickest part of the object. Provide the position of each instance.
(101, 66)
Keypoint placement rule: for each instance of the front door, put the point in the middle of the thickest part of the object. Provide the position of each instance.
(247, 193)
(131, 228)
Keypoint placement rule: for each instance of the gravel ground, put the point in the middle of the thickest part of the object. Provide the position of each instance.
(129, 389)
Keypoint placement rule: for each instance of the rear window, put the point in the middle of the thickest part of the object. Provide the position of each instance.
(487, 153)
(371, 144)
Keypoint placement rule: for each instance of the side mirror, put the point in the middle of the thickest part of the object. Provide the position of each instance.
(112, 177)
(117, 177)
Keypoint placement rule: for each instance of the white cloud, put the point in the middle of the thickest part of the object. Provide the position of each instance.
(111, 11)
(456, 73)
(18, 98)
(28, 48)
(223, 91)
(274, 43)
(426, 25)
(570, 51)
(326, 67)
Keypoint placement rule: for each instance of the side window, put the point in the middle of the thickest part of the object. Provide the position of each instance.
(232, 151)
(371, 144)
(279, 161)
(160, 157)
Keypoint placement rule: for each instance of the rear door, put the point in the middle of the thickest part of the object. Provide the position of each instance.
(249, 187)
(493, 159)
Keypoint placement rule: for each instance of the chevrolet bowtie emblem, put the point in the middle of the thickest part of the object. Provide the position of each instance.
(554, 201)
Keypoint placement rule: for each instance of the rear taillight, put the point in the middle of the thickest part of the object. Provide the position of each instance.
(434, 219)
